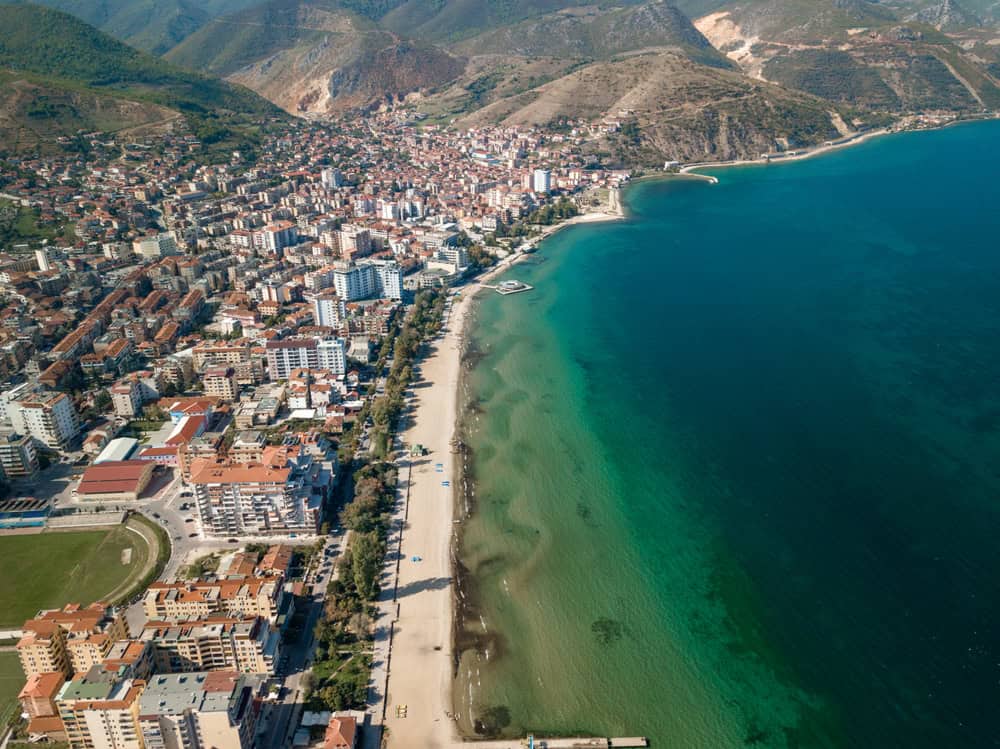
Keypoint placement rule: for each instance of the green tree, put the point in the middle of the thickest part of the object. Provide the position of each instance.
(365, 556)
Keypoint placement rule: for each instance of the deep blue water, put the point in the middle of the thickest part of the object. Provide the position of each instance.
(788, 493)
(819, 344)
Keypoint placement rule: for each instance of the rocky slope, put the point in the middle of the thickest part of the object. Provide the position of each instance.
(854, 52)
(595, 32)
(667, 107)
(315, 57)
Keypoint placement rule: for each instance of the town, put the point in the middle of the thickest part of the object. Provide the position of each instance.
(211, 359)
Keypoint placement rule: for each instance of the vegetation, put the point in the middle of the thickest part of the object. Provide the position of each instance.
(343, 662)
(20, 225)
(201, 567)
(68, 54)
(11, 681)
(49, 570)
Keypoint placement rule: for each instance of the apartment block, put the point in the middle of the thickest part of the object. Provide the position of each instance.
(188, 601)
(199, 710)
(247, 645)
(100, 710)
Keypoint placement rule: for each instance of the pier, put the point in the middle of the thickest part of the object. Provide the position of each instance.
(509, 287)
(582, 742)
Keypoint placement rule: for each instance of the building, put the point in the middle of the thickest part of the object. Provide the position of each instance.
(331, 178)
(248, 500)
(369, 280)
(38, 702)
(541, 181)
(275, 237)
(248, 645)
(115, 481)
(18, 456)
(99, 710)
(70, 639)
(126, 398)
(220, 382)
(216, 710)
(117, 450)
(188, 601)
(155, 247)
(329, 310)
(341, 733)
(289, 354)
(48, 417)
(248, 447)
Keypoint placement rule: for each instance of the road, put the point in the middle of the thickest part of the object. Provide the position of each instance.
(282, 717)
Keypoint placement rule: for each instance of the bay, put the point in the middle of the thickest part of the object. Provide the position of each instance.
(737, 461)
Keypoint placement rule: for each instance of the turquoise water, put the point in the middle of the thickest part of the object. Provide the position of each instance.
(737, 462)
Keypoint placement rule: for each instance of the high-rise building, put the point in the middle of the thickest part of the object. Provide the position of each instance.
(209, 709)
(331, 178)
(541, 180)
(48, 417)
(369, 280)
(155, 247)
(42, 258)
(328, 310)
(18, 456)
(289, 354)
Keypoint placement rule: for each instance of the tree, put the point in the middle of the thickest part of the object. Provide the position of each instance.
(365, 556)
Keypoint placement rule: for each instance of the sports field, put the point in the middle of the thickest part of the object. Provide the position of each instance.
(49, 570)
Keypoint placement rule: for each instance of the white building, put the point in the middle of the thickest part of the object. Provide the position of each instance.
(42, 258)
(369, 280)
(48, 417)
(285, 356)
(153, 248)
(332, 178)
(541, 180)
(328, 310)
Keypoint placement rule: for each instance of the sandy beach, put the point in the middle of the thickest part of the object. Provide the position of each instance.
(420, 666)
(418, 690)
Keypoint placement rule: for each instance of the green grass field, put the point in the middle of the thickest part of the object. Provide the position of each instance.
(11, 681)
(49, 570)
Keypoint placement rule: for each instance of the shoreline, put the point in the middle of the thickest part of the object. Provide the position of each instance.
(808, 152)
(429, 601)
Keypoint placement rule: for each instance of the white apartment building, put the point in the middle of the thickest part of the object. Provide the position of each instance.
(289, 354)
(329, 310)
(48, 417)
(369, 280)
(153, 248)
(541, 180)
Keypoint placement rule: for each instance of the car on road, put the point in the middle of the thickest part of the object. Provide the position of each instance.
(188, 520)
(156, 515)
(192, 535)
(232, 540)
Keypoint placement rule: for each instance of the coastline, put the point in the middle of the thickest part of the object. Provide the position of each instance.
(426, 621)
(691, 170)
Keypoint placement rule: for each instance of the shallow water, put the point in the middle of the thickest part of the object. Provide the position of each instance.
(736, 461)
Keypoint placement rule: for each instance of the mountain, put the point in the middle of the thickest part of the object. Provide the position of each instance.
(855, 52)
(947, 15)
(315, 56)
(595, 32)
(153, 26)
(453, 20)
(57, 55)
(669, 107)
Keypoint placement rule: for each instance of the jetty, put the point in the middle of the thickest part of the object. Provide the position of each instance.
(509, 287)
(582, 742)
